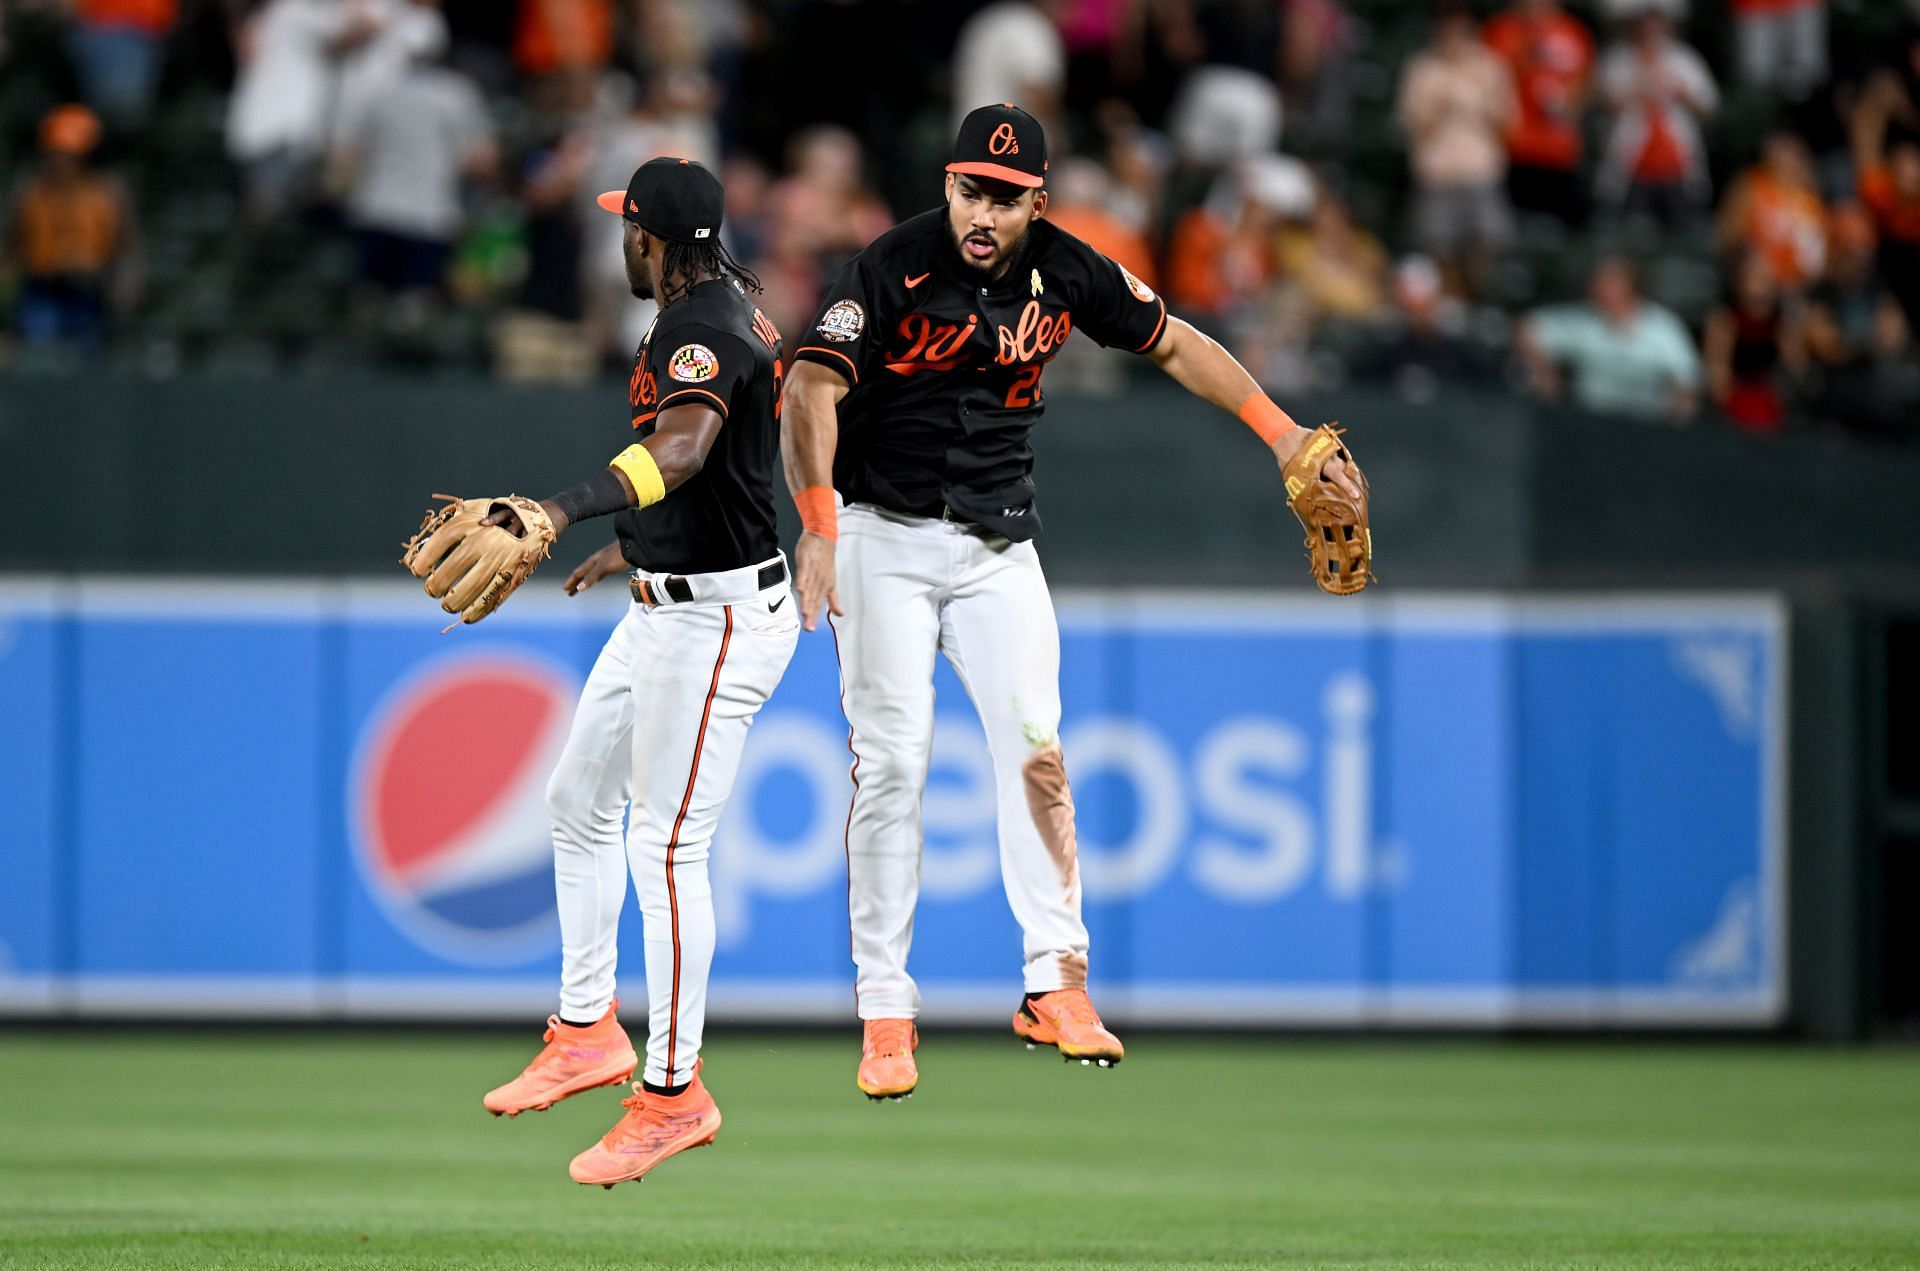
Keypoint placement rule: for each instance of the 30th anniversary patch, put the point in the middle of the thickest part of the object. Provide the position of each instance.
(844, 321)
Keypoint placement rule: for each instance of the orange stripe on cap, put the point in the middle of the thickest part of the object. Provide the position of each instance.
(614, 201)
(999, 172)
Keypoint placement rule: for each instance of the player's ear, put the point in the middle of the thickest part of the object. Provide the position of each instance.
(1039, 204)
(949, 187)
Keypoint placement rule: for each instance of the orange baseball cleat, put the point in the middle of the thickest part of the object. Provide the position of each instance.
(573, 1060)
(655, 1127)
(1065, 1019)
(887, 1070)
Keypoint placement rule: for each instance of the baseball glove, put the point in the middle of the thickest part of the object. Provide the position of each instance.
(1338, 541)
(472, 568)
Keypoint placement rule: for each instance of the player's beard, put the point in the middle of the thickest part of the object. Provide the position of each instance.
(994, 265)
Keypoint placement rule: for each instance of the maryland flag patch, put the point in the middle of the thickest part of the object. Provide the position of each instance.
(693, 364)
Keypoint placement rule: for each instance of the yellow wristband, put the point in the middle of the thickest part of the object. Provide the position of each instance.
(636, 462)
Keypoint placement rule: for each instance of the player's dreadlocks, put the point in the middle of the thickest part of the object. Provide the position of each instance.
(690, 262)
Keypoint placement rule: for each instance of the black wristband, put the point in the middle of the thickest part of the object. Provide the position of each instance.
(599, 495)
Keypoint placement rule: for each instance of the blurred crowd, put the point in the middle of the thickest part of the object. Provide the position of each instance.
(1676, 210)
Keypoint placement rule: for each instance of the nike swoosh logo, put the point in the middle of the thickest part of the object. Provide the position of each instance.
(774, 607)
(915, 282)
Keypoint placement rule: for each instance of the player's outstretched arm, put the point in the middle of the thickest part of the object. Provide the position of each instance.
(1199, 364)
(809, 432)
(639, 476)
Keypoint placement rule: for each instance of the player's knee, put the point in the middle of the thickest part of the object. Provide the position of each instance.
(889, 771)
(570, 809)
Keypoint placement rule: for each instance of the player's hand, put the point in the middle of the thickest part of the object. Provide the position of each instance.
(1288, 444)
(505, 517)
(813, 579)
(607, 560)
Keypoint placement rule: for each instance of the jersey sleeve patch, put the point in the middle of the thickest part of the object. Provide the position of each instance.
(1141, 292)
(844, 320)
(693, 364)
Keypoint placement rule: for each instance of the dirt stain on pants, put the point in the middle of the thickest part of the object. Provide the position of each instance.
(1050, 801)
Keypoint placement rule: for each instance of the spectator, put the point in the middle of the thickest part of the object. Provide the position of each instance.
(1339, 267)
(1774, 210)
(69, 236)
(117, 48)
(1456, 99)
(551, 181)
(1657, 89)
(1781, 44)
(674, 115)
(1082, 203)
(1889, 180)
(1423, 351)
(1315, 55)
(1550, 57)
(1011, 51)
(1089, 32)
(1752, 348)
(563, 36)
(399, 33)
(1223, 114)
(823, 213)
(1625, 355)
(277, 116)
(417, 142)
(1222, 255)
(1137, 164)
(1858, 341)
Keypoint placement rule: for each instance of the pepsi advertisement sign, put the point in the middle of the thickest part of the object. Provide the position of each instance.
(1467, 810)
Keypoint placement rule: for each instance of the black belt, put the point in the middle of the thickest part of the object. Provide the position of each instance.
(674, 589)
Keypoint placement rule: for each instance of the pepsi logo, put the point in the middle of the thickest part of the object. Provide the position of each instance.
(449, 809)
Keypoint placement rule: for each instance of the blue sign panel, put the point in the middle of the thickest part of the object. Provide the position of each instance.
(1448, 810)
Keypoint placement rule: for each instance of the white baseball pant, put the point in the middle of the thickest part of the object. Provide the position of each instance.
(660, 724)
(911, 586)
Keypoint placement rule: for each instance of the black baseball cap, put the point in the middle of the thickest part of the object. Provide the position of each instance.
(1004, 143)
(671, 198)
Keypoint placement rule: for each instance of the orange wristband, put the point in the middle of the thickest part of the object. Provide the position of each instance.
(1260, 414)
(819, 514)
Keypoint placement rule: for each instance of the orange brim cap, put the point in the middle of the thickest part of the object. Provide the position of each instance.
(1012, 176)
(614, 201)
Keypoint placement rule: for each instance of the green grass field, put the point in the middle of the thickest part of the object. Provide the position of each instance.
(123, 1149)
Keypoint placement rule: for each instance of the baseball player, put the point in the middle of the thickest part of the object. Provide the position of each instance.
(906, 435)
(671, 696)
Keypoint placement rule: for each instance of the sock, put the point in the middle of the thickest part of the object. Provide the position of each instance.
(570, 1024)
(664, 1091)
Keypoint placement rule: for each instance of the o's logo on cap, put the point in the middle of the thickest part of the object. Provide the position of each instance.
(1003, 141)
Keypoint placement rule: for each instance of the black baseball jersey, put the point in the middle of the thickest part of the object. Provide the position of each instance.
(946, 370)
(712, 346)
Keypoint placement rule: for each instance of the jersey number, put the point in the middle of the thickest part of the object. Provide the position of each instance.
(1024, 389)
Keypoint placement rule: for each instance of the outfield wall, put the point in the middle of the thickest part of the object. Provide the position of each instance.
(254, 800)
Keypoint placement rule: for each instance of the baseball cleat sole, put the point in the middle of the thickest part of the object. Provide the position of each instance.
(642, 1176)
(1102, 1061)
(567, 1092)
